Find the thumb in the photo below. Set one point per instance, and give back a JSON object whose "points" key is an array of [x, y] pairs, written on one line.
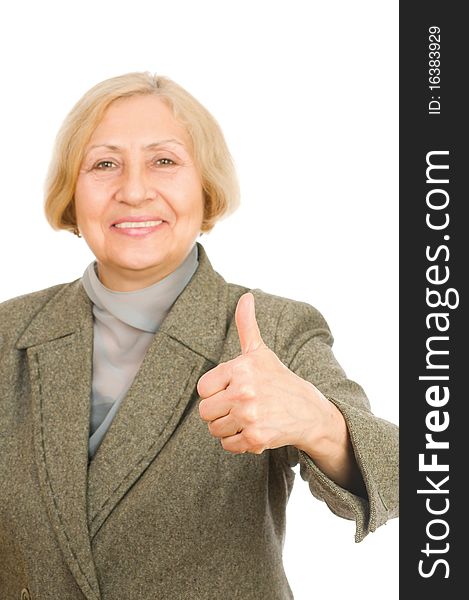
{"points": [[248, 329]]}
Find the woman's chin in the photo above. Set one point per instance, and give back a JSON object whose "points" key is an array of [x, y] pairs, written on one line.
{"points": [[137, 259], [140, 265], [132, 272]]}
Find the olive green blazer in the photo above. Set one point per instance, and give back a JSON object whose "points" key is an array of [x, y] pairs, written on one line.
{"points": [[161, 511]]}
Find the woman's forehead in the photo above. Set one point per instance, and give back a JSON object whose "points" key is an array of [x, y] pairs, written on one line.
{"points": [[144, 119]]}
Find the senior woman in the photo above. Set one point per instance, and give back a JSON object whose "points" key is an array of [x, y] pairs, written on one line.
{"points": [[151, 413]]}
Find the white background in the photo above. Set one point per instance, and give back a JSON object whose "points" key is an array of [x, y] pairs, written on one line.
{"points": [[307, 95]]}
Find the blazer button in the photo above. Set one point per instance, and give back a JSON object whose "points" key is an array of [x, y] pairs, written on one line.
{"points": [[25, 595]]}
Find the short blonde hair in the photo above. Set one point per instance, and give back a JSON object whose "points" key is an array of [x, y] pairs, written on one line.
{"points": [[210, 152]]}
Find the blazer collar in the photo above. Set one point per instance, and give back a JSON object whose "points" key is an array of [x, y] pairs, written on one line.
{"points": [[70, 310]]}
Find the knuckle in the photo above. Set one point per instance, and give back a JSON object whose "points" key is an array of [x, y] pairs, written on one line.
{"points": [[226, 445], [246, 391], [250, 413], [253, 437], [212, 428], [243, 367]]}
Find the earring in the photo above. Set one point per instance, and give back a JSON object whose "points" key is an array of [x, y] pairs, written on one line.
{"points": [[76, 231]]}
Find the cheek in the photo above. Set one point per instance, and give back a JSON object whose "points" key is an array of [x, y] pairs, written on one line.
{"points": [[81, 199], [196, 203], [89, 200], [198, 207], [195, 212], [187, 201]]}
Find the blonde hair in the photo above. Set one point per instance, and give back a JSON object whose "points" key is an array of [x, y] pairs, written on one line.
{"points": [[210, 152]]}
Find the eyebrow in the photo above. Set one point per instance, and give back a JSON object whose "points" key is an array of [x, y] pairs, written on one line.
{"points": [[147, 147]]}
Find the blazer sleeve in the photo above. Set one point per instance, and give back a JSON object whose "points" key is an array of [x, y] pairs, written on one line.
{"points": [[304, 343]]}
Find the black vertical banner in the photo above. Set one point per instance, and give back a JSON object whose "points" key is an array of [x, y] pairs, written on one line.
{"points": [[434, 267]]}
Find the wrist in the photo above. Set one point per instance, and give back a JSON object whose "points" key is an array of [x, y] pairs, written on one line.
{"points": [[327, 437]]}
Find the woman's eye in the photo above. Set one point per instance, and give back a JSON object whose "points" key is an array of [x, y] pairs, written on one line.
{"points": [[164, 161], [104, 164]]}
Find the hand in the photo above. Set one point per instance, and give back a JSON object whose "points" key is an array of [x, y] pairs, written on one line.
{"points": [[254, 401]]}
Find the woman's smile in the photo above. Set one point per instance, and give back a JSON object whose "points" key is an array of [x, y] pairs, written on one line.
{"points": [[138, 226]]}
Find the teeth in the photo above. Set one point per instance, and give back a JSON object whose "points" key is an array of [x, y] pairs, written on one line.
{"points": [[127, 224]]}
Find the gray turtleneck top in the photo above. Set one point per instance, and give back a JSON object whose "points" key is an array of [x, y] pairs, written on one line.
{"points": [[124, 324]]}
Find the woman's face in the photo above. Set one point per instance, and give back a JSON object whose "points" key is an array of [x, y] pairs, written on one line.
{"points": [[139, 200]]}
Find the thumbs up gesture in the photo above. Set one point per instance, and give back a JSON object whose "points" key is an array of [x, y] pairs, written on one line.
{"points": [[254, 401]]}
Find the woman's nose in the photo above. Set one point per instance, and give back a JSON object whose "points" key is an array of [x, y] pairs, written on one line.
{"points": [[135, 187]]}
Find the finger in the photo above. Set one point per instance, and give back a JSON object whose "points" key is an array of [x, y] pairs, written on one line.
{"points": [[248, 329], [224, 427], [215, 407], [237, 444], [215, 380]]}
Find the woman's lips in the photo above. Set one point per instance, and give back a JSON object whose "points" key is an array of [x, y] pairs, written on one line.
{"points": [[137, 228]]}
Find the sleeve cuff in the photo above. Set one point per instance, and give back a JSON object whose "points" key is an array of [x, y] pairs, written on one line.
{"points": [[369, 436]]}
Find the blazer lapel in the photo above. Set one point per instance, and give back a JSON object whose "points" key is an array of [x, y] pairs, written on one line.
{"points": [[59, 349], [188, 343]]}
